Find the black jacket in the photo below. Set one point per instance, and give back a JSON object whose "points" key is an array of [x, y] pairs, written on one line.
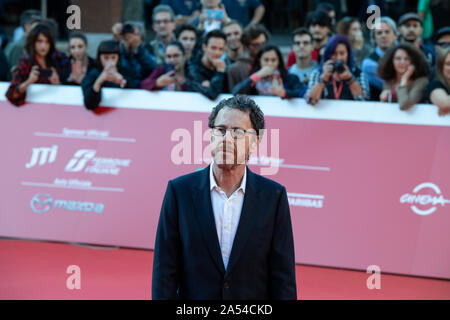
{"points": [[197, 73], [292, 85], [91, 98], [188, 262]]}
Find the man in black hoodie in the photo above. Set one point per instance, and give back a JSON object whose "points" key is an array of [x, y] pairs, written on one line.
{"points": [[207, 75]]}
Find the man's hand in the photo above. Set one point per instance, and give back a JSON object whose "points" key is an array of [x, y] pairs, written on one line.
{"points": [[117, 30], [219, 65]]}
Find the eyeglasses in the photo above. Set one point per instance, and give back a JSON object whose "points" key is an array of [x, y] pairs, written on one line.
{"points": [[162, 21], [444, 45], [236, 133], [256, 45]]}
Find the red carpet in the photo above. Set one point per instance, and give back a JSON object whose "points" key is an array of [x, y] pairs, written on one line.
{"points": [[37, 270]]}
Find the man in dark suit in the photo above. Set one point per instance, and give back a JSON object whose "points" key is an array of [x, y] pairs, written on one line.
{"points": [[225, 232]]}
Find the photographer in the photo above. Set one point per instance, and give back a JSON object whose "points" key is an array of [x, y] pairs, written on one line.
{"points": [[213, 16], [41, 64], [108, 73], [338, 77], [80, 63], [171, 75]]}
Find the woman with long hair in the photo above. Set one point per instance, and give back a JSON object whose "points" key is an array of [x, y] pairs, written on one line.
{"points": [[351, 28], [269, 77], [80, 63], [172, 75], [42, 63], [107, 73], [405, 72], [338, 77], [439, 89]]}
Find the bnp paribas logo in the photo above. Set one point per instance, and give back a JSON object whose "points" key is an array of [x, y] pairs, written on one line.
{"points": [[425, 199]]}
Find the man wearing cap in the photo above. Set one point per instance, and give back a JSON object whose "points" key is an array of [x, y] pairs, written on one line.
{"points": [[442, 38], [411, 30]]}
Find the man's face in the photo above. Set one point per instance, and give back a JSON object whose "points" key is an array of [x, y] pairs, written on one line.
{"points": [[384, 36], [411, 30], [132, 40], [227, 151], [302, 46], [443, 42], [163, 24], [319, 32], [332, 15], [234, 34], [214, 48], [187, 39], [256, 44], [210, 4]]}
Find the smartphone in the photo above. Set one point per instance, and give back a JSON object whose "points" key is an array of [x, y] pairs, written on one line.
{"points": [[170, 67], [45, 73], [214, 14]]}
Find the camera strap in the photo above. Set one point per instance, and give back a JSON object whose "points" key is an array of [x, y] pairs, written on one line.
{"points": [[337, 91]]}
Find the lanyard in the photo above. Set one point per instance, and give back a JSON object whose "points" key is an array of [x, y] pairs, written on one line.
{"points": [[337, 91]]}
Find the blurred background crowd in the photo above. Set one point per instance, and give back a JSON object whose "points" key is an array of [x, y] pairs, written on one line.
{"points": [[337, 49]]}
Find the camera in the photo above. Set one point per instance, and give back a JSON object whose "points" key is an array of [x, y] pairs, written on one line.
{"points": [[339, 66], [45, 73]]}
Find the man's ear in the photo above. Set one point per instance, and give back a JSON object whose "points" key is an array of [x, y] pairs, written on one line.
{"points": [[254, 144]]}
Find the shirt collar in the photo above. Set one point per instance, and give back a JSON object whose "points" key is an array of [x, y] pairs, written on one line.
{"points": [[379, 51], [213, 184]]}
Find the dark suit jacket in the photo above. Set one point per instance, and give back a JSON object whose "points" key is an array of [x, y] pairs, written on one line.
{"points": [[188, 262]]}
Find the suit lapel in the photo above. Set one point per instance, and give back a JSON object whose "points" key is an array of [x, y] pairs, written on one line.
{"points": [[249, 214], [202, 201]]}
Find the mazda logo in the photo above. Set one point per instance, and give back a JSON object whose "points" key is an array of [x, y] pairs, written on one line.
{"points": [[41, 203]]}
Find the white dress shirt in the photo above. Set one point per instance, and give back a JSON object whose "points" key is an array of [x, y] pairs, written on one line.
{"points": [[227, 212]]}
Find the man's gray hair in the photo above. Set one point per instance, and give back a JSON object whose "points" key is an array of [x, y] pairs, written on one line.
{"points": [[163, 8], [391, 23]]}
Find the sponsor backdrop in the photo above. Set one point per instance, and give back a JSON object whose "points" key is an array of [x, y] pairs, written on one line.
{"points": [[361, 192]]}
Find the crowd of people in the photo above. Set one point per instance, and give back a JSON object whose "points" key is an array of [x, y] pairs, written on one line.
{"points": [[214, 47]]}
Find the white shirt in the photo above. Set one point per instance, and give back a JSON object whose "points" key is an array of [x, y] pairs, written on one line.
{"points": [[227, 212]]}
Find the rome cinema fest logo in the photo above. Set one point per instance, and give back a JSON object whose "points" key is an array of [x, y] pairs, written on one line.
{"points": [[425, 199]]}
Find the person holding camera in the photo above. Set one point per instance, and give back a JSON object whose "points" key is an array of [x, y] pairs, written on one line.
{"points": [[213, 15], [42, 63], [80, 62], [338, 77], [269, 76], [107, 73], [170, 76]]}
